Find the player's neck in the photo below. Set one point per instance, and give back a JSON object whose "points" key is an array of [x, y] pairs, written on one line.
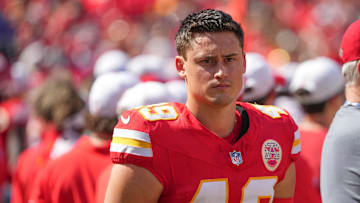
{"points": [[220, 121]]}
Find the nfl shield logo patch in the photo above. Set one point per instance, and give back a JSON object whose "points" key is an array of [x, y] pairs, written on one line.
{"points": [[236, 158]]}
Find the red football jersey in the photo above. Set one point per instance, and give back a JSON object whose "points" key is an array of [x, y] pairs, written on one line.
{"points": [[196, 165]]}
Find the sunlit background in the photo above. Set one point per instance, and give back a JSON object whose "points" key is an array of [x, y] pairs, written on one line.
{"points": [[71, 34]]}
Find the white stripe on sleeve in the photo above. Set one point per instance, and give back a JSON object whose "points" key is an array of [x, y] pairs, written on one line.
{"points": [[120, 148], [132, 134]]}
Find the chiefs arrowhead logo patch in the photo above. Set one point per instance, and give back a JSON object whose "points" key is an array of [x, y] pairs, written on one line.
{"points": [[271, 154]]}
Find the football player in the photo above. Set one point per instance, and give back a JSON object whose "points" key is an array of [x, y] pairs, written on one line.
{"points": [[211, 149]]}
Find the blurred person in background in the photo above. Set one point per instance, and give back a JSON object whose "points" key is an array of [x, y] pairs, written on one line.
{"points": [[148, 67], [203, 150], [284, 99], [259, 80], [84, 28], [340, 161], [113, 60], [266, 86], [177, 90], [142, 94], [58, 108], [76, 182], [13, 117], [319, 87]]}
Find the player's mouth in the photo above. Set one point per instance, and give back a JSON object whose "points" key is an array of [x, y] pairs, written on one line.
{"points": [[221, 86]]}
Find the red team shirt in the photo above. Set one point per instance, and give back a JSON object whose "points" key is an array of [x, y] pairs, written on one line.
{"points": [[30, 163], [312, 142], [304, 190], [73, 176], [102, 184], [195, 165]]}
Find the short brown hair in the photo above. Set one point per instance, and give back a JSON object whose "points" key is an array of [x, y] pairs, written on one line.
{"points": [[56, 100], [100, 125], [209, 20]]}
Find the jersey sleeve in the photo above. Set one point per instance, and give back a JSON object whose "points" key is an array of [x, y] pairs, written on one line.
{"points": [[131, 143], [296, 144]]}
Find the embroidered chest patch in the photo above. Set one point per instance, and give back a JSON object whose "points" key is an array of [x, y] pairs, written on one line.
{"points": [[271, 154], [236, 158]]}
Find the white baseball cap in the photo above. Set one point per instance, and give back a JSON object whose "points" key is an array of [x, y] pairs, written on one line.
{"points": [[110, 61], [177, 89], [144, 93], [147, 64], [106, 91], [321, 77], [259, 80]]}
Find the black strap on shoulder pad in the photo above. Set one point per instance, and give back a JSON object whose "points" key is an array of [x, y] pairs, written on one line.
{"points": [[244, 121]]}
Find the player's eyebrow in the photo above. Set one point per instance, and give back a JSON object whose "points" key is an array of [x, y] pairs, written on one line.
{"points": [[230, 55], [209, 56], [205, 56]]}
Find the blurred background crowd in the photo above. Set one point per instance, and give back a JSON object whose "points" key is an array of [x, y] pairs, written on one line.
{"points": [[76, 41]]}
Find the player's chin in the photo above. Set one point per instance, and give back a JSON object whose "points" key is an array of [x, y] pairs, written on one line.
{"points": [[220, 100]]}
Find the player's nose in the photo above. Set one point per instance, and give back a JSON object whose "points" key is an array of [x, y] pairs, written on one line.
{"points": [[221, 71]]}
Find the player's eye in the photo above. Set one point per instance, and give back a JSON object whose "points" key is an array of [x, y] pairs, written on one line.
{"points": [[229, 59], [208, 61], [204, 61]]}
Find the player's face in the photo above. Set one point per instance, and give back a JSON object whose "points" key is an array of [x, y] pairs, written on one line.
{"points": [[213, 68]]}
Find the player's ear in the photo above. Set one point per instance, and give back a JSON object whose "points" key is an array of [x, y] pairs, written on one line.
{"points": [[180, 66]]}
